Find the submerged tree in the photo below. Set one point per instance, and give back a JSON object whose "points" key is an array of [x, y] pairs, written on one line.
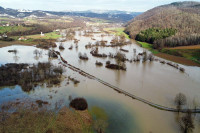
{"points": [[83, 56], [187, 123], [144, 56], [36, 52], [120, 57], [180, 100], [150, 57]]}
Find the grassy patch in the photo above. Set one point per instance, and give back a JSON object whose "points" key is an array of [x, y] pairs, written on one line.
{"points": [[96, 20], [191, 54], [117, 31], [98, 113], [61, 20], [148, 46], [100, 119], [7, 29], [51, 35], [3, 22], [4, 18]]}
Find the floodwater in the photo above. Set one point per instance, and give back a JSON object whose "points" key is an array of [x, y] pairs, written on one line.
{"points": [[153, 81]]}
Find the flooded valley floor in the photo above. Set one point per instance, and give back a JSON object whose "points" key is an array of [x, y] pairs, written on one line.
{"points": [[153, 81]]}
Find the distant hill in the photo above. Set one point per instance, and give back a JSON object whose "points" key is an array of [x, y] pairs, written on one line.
{"points": [[184, 17], [113, 15], [109, 12]]}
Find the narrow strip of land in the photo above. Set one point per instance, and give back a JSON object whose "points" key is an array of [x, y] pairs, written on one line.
{"points": [[187, 47], [66, 64], [177, 59]]}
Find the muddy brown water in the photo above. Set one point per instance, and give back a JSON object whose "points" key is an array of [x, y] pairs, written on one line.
{"points": [[158, 83]]}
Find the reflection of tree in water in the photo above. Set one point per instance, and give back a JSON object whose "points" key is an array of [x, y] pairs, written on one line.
{"points": [[76, 47], [36, 57], [16, 58], [38, 54], [118, 77]]}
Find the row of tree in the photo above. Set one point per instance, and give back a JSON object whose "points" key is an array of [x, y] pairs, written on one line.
{"points": [[177, 40], [186, 122]]}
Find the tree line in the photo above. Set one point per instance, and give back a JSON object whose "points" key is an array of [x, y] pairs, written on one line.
{"points": [[152, 34]]}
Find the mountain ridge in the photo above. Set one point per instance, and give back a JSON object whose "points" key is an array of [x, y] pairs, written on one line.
{"points": [[113, 15]]}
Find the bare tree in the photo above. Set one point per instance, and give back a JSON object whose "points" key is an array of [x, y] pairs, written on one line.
{"points": [[150, 57], [180, 100], [61, 47], [36, 52], [134, 51], [144, 56], [122, 39], [120, 57]]}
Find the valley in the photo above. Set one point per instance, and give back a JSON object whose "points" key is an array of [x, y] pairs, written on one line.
{"points": [[85, 72]]}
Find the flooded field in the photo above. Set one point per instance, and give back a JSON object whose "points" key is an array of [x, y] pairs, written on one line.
{"points": [[151, 80]]}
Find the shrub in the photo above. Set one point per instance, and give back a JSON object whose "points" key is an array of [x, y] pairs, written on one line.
{"points": [[79, 104], [99, 63], [180, 100]]}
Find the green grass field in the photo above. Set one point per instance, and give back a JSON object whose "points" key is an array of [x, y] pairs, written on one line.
{"points": [[51, 35], [3, 22], [117, 31], [148, 46], [5, 18], [7, 29], [191, 54]]}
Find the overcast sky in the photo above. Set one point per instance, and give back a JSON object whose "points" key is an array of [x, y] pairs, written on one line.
{"points": [[61, 5]]}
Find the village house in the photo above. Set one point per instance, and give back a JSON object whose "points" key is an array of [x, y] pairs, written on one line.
{"points": [[4, 35], [42, 34], [22, 38]]}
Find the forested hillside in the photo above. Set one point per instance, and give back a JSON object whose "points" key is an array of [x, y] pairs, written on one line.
{"points": [[182, 17]]}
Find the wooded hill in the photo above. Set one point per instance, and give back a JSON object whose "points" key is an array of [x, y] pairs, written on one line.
{"points": [[184, 17]]}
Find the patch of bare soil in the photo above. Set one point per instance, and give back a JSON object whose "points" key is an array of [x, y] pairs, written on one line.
{"points": [[187, 47]]}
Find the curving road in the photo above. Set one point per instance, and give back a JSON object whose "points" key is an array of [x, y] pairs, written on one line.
{"points": [[66, 64]]}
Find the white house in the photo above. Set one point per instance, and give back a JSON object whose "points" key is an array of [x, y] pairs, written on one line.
{"points": [[22, 38], [42, 34], [4, 35]]}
